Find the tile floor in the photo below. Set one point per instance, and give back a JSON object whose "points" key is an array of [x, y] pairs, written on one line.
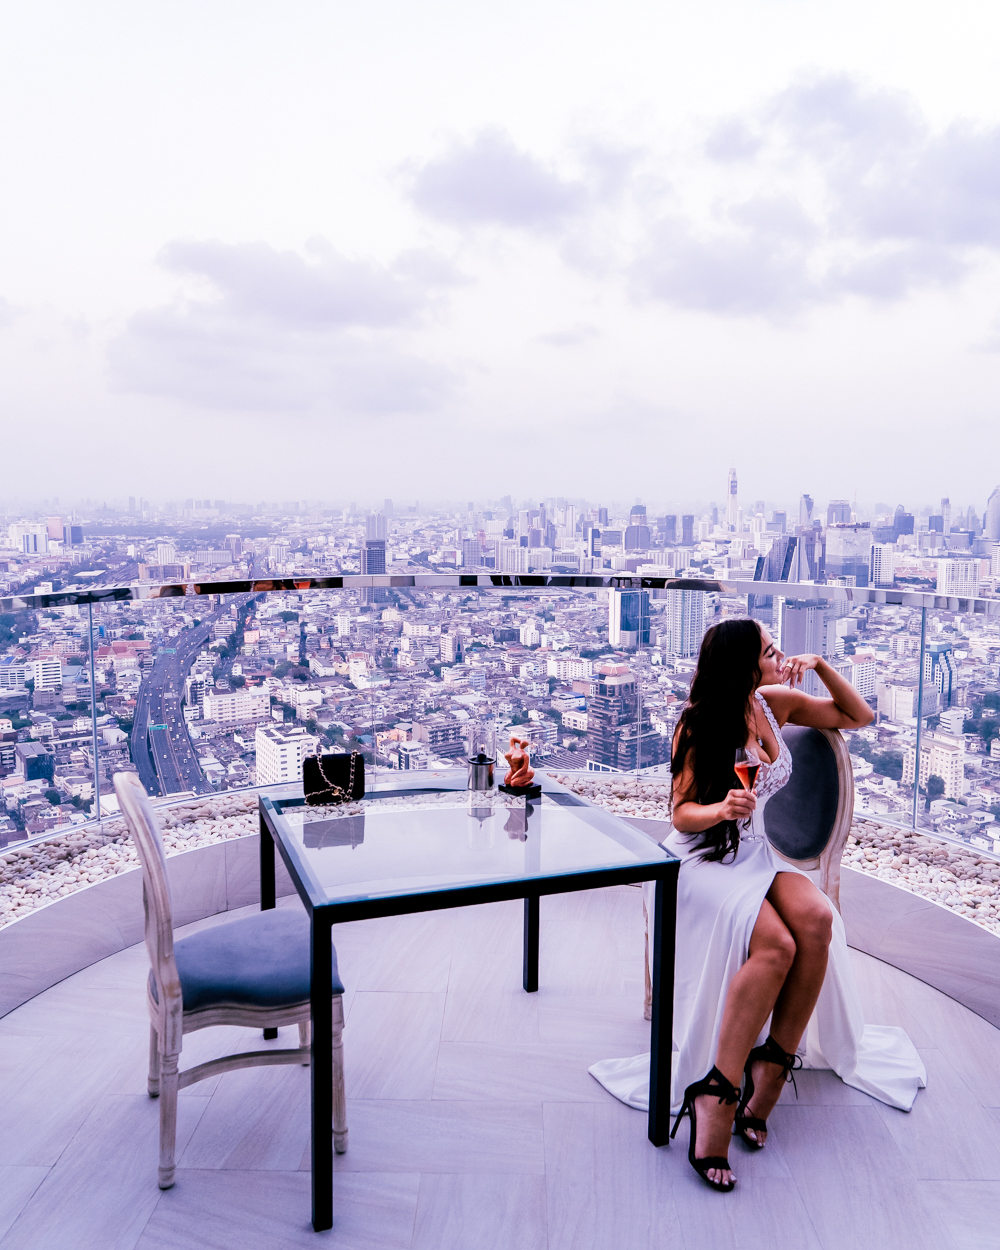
{"points": [[473, 1122]]}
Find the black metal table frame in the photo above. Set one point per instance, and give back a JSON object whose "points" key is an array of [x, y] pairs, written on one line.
{"points": [[324, 916]]}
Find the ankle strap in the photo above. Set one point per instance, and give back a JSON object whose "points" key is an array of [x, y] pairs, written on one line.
{"points": [[717, 1083]]}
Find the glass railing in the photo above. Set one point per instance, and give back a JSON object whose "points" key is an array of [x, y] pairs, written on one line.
{"points": [[214, 686]]}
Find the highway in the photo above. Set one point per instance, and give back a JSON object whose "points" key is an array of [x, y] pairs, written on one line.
{"points": [[161, 748]]}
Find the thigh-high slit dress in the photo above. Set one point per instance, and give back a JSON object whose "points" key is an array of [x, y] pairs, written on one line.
{"points": [[717, 908]]}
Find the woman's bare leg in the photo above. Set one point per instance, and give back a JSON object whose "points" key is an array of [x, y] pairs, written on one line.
{"points": [[806, 915], [749, 1001]]}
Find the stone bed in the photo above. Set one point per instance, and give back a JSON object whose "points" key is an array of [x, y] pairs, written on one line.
{"points": [[956, 876], [32, 876]]}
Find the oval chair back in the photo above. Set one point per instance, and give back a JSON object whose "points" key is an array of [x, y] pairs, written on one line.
{"points": [[159, 925], [808, 820]]}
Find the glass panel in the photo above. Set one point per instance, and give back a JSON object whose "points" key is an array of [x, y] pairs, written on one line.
{"points": [[428, 838], [46, 731]]}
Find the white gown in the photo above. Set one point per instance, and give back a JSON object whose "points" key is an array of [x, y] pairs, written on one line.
{"points": [[717, 907]]}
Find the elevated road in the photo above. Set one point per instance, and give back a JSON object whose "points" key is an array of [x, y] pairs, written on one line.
{"points": [[161, 748]]}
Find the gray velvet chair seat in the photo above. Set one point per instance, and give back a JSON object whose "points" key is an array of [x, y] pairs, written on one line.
{"points": [[259, 961]]}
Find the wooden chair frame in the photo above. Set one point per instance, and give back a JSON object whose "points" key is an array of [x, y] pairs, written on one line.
{"points": [[827, 863], [168, 1019]]}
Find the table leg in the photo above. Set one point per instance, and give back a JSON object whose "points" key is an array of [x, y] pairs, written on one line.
{"points": [[661, 1034], [322, 1073], [267, 884], [530, 960]]}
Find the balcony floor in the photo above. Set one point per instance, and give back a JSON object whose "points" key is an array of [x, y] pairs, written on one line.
{"points": [[473, 1120]]}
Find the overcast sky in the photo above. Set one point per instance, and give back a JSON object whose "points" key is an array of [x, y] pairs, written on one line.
{"points": [[437, 249]]}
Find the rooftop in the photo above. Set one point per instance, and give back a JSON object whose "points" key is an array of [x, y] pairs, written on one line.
{"points": [[473, 1120]]}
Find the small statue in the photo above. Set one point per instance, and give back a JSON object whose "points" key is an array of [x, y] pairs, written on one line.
{"points": [[520, 774]]}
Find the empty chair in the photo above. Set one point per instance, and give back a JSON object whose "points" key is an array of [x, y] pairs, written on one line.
{"points": [[808, 820], [251, 972]]}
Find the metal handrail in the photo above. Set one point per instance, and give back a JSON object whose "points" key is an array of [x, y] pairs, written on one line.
{"points": [[855, 595]]}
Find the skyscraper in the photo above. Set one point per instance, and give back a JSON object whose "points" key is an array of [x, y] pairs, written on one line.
{"points": [[991, 519], [670, 529], [375, 526], [732, 502], [685, 619], [946, 516], [882, 568], [616, 737], [848, 552], [805, 510], [628, 618], [472, 553], [373, 556], [838, 512], [687, 530]]}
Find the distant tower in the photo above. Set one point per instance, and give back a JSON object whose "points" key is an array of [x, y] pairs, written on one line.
{"points": [[946, 515], [991, 519], [732, 503], [805, 511]]}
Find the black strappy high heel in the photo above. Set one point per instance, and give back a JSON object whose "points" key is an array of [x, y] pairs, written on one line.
{"points": [[714, 1084], [770, 1052]]}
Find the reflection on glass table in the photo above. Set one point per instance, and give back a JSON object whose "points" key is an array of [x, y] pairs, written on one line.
{"points": [[421, 844]]}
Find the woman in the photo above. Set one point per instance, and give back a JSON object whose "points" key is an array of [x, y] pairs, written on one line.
{"points": [[756, 940]]}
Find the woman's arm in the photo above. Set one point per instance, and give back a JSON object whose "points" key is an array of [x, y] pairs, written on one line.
{"points": [[692, 817], [844, 710]]}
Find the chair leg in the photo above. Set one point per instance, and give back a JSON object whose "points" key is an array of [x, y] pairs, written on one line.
{"points": [[305, 1036], [339, 1094], [168, 1119], [647, 1002], [153, 1082]]}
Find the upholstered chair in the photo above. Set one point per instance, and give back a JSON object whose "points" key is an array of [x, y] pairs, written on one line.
{"points": [[808, 820], [253, 972]]}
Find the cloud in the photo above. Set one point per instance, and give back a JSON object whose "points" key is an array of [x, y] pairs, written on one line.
{"points": [[489, 181], [571, 337], [274, 330], [851, 193]]}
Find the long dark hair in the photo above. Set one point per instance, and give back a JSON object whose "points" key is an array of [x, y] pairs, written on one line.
{"points": [[716, 721]]}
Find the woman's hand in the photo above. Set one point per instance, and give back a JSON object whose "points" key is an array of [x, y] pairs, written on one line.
{"points": [[737, 805], [795, 668]]}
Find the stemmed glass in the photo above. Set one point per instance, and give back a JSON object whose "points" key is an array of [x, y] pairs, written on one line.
{"points": [[746, 767]]}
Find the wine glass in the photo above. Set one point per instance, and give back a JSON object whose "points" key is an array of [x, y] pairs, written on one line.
{"points": [[746, 768]]}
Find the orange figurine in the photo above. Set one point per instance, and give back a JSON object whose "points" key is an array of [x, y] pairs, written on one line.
{"points": [[520, 773]]}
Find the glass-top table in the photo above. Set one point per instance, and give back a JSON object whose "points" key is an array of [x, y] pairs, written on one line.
{"points": [[424, 842]]}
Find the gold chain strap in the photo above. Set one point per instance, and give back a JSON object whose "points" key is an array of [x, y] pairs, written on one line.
{"points": [[338, 792]]}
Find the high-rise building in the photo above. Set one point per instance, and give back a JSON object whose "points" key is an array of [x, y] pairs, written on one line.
{"points": [[902, 522], [732, 502], [615, 737], [805, 510], [806, 627], [234, 545], [670, 529], [166, 553], [946, 516], [838, 512], [939, 757], [687, 531], [280, 750], [387, 507], [45, 673], [472, 553], [848, 552], [685, 621], [602, 517], [72, 535], [958, 578], [373, 556], [991, 518], [882, 567], [637, 538], [628, 618], [54, 528], [592, 541], [940, 668], [638, 514], [512, 557], [375, 526]]}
